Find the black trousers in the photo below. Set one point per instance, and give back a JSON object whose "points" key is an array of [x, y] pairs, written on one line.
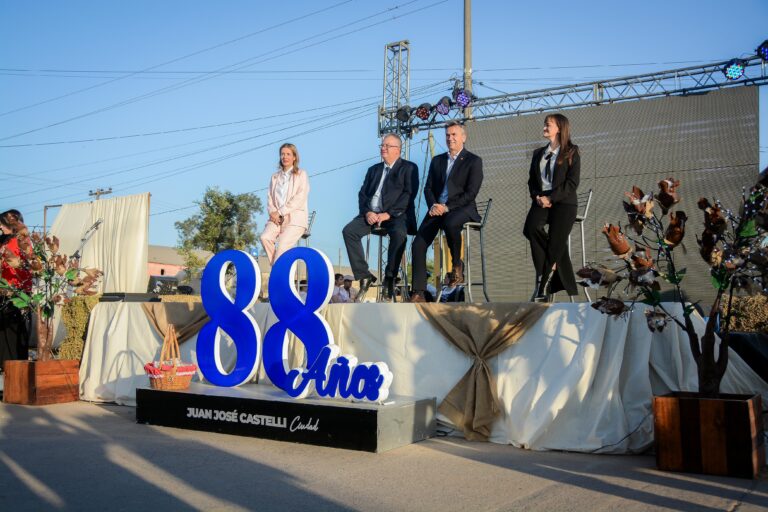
{"points": [[549, 247], [451, 224], [14, 334], [358, 228]]}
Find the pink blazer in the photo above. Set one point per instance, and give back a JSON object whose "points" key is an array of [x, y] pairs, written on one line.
{"points": [[295, 209]]}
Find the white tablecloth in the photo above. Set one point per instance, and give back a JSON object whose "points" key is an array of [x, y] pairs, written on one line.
{"points": [[577, 380]]}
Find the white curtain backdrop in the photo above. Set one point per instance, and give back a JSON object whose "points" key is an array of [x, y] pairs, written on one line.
{"points": [[119, 246]]}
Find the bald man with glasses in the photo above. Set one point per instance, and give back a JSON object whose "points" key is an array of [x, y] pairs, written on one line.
{"points": [[386, 199]]}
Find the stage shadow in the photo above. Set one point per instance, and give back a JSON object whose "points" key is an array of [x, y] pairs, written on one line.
{"points": [[603, 474], [112, 463]]}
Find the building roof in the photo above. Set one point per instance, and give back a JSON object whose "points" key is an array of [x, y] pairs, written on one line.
{"points": [[170, 256]]}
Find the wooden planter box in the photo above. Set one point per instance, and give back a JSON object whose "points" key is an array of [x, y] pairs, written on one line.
{"points": [[41, 382], [714, 436]]}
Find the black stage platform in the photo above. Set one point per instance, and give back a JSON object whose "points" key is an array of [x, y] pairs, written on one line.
{"points": [[261, 410]]}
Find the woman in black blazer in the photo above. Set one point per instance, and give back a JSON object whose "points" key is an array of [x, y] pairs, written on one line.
{"points": [[552, 183]]}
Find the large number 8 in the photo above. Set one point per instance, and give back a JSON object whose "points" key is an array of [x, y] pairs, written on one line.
{"points": [[300, 317], [231, 316]]}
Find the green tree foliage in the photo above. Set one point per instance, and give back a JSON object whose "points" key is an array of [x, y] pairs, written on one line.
{"points": [[225, 221]]}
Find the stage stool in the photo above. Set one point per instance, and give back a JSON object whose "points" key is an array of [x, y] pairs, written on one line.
{"points": [[483, 208], [308, 231], [584, 200], [305, 238], [381, 233]]}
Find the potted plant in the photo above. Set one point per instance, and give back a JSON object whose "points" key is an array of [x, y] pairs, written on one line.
{"points": [[55, 279], [706, 431]]}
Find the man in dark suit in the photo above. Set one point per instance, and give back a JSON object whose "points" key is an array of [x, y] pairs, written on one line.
{"points": [[384, 199], [452, 185]]}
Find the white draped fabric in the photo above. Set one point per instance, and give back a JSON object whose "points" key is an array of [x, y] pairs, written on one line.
{"points": [[118, 247], [577, 380]]}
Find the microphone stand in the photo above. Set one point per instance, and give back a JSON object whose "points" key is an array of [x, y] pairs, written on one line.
{"points": [[87, 236]]}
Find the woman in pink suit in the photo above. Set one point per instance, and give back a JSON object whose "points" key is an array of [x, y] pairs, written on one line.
{"points": [[286, 205]]}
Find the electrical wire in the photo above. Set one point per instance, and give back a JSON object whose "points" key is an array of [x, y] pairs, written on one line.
{"points": [[193, 128], [196, 166], [327, 171], [172, 61], [423, 91], [244, 63]]}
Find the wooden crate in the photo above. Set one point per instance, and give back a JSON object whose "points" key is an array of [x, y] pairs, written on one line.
{"points": [[41, 382], [714, 436]]}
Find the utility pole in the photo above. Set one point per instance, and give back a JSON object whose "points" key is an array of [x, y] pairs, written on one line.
{"points": [[468, 53], [99, 192]]}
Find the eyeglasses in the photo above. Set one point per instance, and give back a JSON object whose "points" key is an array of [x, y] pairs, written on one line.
{"points": [[388, 146]]}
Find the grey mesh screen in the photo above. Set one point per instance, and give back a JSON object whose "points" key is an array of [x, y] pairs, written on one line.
{"points": [[708, 141]]}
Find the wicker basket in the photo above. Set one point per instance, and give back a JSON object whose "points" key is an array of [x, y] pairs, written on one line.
{"points": [[170, 374]]}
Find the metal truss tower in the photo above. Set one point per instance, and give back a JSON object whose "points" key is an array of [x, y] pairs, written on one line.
{"points": [[676, 82], [397, 90]]}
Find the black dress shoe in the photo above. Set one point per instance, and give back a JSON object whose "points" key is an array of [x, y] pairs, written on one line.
{"points": [[389, 289], [457, 274], [365, 283]]}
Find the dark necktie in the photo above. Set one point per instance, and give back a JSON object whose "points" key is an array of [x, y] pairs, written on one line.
{"points": [[547, 167]]}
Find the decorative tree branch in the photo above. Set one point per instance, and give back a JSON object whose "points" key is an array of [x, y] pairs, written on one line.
{"points": [[735, 246]]}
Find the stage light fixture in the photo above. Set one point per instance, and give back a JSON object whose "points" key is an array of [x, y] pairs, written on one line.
{"points": [[734, 69], [423, 110], [403, 114], [461, 97], [762, 50], [443, 106]]}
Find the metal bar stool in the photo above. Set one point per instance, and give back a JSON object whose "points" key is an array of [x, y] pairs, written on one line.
{"points": [[305, 237], [584, 200], [483, 208], [308, 231], [381, 233]]}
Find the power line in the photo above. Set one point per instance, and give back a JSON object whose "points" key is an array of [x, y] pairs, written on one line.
{"points": [[424, 91], [187, 72], [179, 130], [328, 171], [203, 127], [192, 167], [244, 63], [172, 61], [192, 153], [266, 71]]}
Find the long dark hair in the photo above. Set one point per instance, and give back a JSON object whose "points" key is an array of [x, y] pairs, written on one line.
{"points": [[10, 219], [567, 149]]}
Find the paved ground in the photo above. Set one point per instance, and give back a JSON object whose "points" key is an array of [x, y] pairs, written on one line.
{"points": [[83, 456]]}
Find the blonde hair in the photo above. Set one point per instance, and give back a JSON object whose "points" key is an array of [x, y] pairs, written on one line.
{"points": [[295, 152]]}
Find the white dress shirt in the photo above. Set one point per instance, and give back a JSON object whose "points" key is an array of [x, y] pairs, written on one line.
{"points": [[281, 189], [546, 183], [376, 199]]}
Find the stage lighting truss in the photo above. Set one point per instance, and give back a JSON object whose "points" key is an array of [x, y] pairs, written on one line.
{"points": [[423, 111], [762, 50], [734, 69], [751, 71]]}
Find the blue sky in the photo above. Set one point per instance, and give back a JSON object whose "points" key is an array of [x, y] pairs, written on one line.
{"points": [[312, 78]]}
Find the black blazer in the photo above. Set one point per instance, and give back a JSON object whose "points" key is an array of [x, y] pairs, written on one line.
{"points": [[565, 179], [463, 183], [397, 192]]}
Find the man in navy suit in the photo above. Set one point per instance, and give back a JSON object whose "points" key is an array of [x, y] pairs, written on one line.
{"points": [[385, 200], [452, 185]]}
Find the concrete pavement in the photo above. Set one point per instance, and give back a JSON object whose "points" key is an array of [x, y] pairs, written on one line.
{"points": [[83, 456]]}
